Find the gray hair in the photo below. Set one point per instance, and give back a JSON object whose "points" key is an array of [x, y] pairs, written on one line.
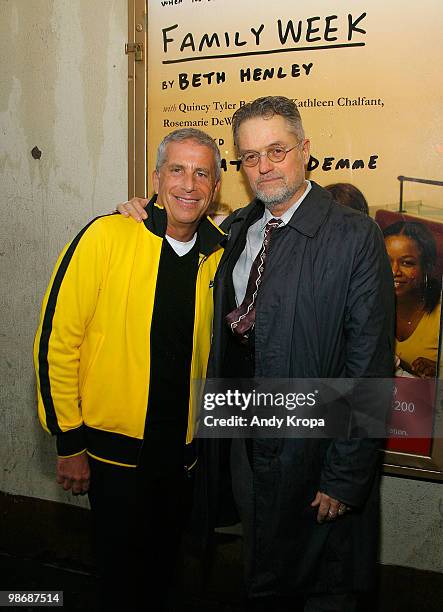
{"points": [[189, 134], [266, 108]]}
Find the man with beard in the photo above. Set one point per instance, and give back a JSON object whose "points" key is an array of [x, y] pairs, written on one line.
{"points": [[303, 290]]}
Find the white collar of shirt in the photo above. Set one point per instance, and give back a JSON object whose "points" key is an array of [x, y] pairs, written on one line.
{"points": [[181, 248], [288, 214]]}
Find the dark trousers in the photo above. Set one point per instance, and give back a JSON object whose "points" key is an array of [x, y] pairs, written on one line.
{"points": [[138, 521], [244, 497]]}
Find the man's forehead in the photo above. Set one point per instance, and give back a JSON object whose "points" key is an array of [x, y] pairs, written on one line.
{"points": [[188, 147], [263, 131]]}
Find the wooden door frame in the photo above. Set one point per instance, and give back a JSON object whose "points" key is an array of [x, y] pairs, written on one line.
{"points": [[137, 100]]}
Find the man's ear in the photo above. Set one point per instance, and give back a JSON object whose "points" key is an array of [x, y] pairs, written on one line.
{"points": [[155, 180], [306, 149], [217, 187]]}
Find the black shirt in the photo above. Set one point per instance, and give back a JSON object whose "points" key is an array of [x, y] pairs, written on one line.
{"points": [[172, 331]]}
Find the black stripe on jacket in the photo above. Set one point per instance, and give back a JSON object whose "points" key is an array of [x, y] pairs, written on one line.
{"points": [[43, 365]]}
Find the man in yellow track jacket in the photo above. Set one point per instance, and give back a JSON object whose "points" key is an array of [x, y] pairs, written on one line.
{"points": [[126, 323]]}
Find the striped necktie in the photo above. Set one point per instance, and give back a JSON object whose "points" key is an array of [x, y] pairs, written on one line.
{"points": [[242, 319]]}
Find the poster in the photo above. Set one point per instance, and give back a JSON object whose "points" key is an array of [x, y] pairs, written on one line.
{"points": [[415, 251], [365, 76]]}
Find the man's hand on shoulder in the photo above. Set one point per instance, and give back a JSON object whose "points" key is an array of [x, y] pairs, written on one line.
{"points": [[134, 208], [328, 507], [74, 473]]}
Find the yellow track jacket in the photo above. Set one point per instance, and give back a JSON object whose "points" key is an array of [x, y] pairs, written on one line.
{"points": [[92, 348]]}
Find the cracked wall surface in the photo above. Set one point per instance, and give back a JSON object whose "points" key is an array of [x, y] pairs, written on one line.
{"points": [[63, 160]]}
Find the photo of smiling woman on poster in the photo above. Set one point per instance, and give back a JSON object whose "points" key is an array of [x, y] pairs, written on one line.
{"points": [[412, 253]]}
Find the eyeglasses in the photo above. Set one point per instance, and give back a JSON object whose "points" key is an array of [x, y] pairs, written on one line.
{"points": [[274, 154]]}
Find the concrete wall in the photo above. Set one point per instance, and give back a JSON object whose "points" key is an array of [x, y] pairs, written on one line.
{"points": [[412, 523], [63, 89]]}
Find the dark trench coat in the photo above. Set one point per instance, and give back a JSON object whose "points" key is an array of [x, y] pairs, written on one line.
{"points": [[325, 310]]}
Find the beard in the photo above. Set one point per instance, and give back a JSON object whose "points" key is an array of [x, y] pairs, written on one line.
{"points": [[279, 195]]}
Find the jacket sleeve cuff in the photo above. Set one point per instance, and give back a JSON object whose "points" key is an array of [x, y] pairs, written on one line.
{"points": [[71, 442], [350, 469]]}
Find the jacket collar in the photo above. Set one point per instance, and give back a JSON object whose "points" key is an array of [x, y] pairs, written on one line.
{"points": [[308, 217], [209, 234], [311, 213]]}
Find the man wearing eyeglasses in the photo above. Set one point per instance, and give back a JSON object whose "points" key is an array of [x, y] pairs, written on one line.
{"points": [[323, 309], [303, 290]]}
